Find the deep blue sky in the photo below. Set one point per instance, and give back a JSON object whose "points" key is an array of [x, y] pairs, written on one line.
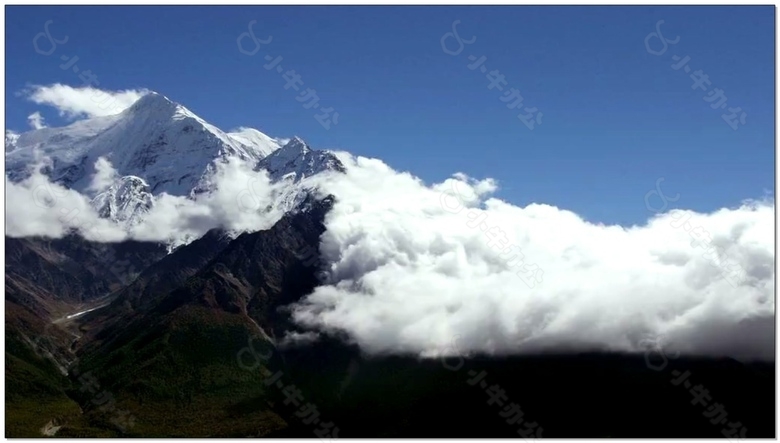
{"points": [[616, 118]]}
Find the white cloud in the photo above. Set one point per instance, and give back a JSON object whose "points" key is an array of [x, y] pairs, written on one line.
{"points": [[38, 207], [407, 274], [82, 102], [11, 139], [36, 120], [104, 176], [243, 200]]}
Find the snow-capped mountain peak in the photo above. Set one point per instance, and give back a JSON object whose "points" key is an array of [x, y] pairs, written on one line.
{"points": [[297, 143], [251, 138], [11, 138], [296, 160], [292, 164], [152, 102], [157, 139], [159, 146], [125, 201]]}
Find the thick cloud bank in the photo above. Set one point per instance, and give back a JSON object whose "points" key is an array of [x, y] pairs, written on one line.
{"points": [[242, 200], [445, 269], [424, 269]]}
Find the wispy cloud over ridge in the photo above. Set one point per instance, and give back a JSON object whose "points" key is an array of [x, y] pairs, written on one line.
{"points": [[81, 102]]}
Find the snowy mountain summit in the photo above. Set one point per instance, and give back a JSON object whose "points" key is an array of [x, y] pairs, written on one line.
{"points": [[125, 201], [156, 146], [296, 161]]}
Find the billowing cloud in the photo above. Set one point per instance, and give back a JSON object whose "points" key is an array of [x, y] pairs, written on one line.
{"points": [[36, 120], [105, 175], [82, 102], [38, 207], [445, 269], [11, 139], [242, 200]]}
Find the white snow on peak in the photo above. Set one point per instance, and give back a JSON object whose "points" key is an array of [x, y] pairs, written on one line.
{"points": [[296, 161], [125, 201], [162, 141], [292, 165], [252, 139], [11, 138], [159, 146]]}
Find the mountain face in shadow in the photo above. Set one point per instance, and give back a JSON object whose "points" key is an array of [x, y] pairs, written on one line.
{"points": [[47, 279], [565, 395], [168, 344], [72, 269]]}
